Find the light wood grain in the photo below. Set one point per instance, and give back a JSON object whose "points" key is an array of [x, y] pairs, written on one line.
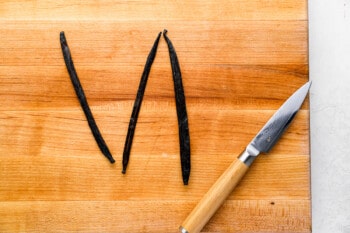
{"points": [[214, 131], [53, 149], [154, 10], [151, 216], [239, 60], [200, 42], [109, 88], [282, 177]]}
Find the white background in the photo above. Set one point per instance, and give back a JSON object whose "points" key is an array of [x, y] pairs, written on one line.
{"points": [[329, 47]]}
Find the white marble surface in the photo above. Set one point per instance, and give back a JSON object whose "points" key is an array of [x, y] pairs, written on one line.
{"points": [[329, 44]]}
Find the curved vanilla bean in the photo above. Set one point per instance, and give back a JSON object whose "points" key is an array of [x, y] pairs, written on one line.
{"points": [[137, 103], [82, 99], [184, 136]]}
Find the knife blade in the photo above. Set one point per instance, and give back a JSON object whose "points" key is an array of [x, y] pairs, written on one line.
{"points": [[262, 142]]}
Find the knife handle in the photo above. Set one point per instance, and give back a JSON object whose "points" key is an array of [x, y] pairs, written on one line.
{"points": [[214, 198]]}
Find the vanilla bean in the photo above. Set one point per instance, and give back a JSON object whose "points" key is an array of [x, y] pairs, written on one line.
{"points": [[137, 103], [82, 99], [184, 137]]}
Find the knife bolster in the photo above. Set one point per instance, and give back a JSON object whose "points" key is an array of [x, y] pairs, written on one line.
{"points": [[248, 155], [183, 230]]}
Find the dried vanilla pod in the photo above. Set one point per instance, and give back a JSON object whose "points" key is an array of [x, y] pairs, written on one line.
{"points": [[184, 136], [82, 99], [137, 103]]}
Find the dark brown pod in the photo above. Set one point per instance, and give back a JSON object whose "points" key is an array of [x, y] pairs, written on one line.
{"points": [[137, 103], [82, 99], [184, 135]]}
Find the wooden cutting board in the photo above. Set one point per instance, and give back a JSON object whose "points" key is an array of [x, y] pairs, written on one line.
{"points": [[240, 61]]}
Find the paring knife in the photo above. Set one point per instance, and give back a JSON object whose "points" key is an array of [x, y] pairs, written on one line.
{"points": [[262, 142]]}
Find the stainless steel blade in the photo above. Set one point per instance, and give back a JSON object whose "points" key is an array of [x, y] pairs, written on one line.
{"points": [[274, 128]]}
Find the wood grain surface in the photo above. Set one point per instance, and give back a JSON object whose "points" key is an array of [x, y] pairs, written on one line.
{"points": [[240, 60]]}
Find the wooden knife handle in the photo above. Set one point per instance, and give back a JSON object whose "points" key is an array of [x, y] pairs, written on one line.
{"points": [[214, 198]]}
